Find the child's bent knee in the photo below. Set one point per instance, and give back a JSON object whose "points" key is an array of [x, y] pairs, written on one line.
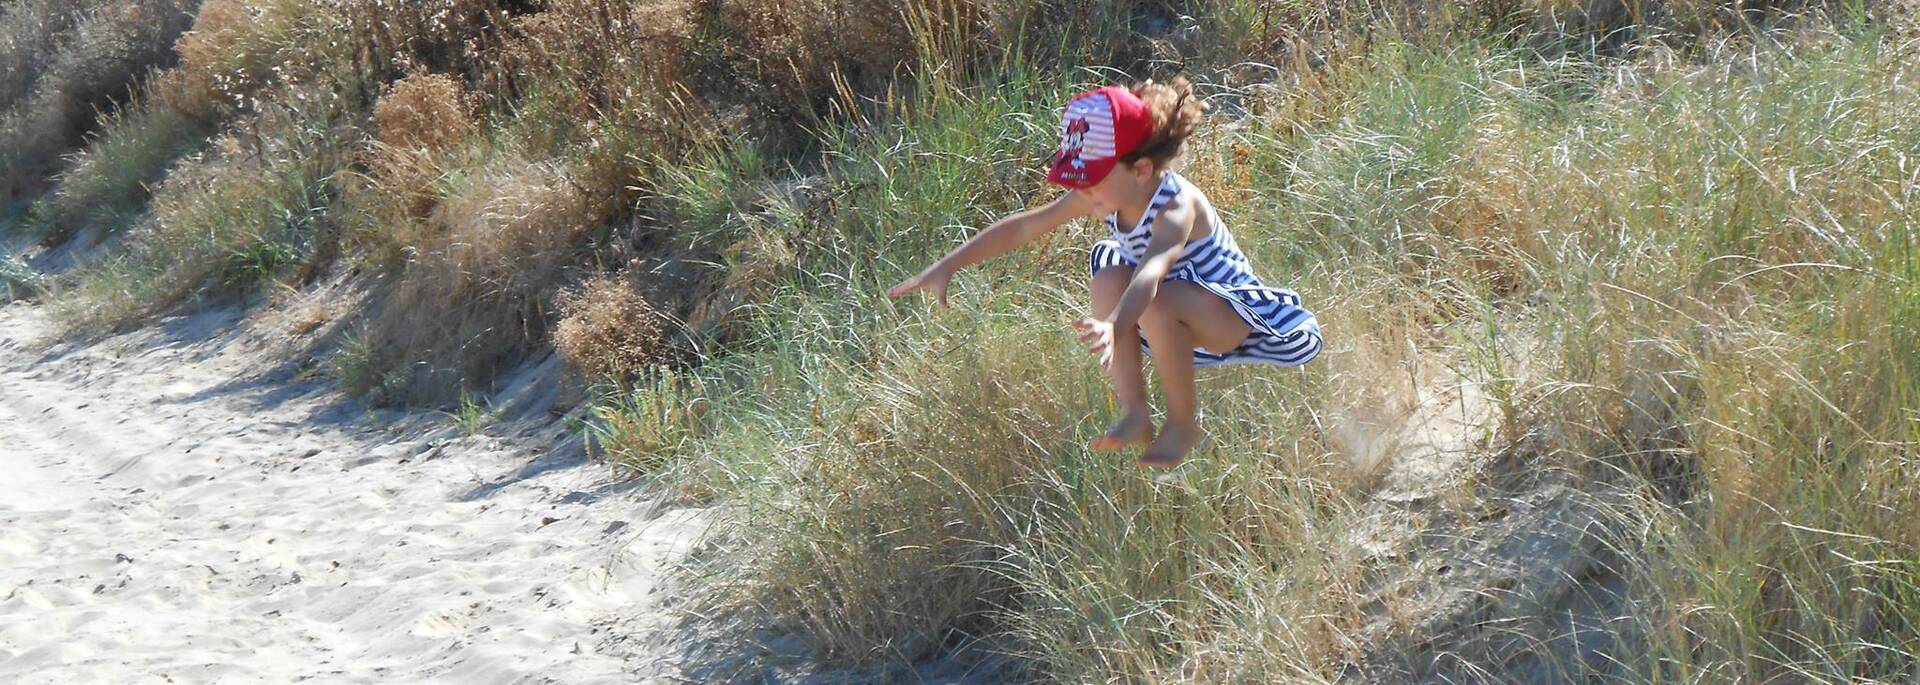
{"points": [[1158, 319], [1119, 272], [1111, 282]]}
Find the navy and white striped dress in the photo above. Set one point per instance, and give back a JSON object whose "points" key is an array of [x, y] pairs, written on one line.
{"points": [[1284, 333]]}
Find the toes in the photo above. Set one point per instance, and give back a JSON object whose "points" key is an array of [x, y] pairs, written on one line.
{"points": [[1116, 439], [1158, 461], [1168, 451]]}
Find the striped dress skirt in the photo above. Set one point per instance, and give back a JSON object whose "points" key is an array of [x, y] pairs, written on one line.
{"points": [[1282, 331]]}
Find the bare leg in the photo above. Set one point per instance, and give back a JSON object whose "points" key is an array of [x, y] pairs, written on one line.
{"points": [[1135, 424], [1172, 345], [1181, 317]]}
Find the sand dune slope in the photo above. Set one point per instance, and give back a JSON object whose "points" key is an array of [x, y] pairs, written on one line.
{"points": [[170, 512]]}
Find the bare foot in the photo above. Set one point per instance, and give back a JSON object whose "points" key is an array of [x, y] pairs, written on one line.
{"points": [[1133, 428], [1175, 441]]}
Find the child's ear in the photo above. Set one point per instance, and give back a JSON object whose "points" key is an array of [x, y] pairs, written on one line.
{"points": [[1143, 168]]}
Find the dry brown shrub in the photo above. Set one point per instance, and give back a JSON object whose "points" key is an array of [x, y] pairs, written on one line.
{"points": [[490, 258], [227, 55], [797, 57], [423, 112], [213, 28], [606, 82], [609, 329], [418, 122], [591, 60]]}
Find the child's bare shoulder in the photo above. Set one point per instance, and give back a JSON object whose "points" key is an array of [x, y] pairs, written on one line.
{"points": [[1192, 207], [1194, 195]]}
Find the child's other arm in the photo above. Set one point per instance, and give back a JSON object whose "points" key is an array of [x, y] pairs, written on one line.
{"points": [[1170, 232], [1005, 235]]}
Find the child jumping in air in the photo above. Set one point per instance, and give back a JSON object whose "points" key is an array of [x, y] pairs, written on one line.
{"points": [[1172, 283]]}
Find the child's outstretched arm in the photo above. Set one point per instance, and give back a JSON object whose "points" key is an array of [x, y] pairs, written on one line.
{"points": [[1170, 232], [1005, 235]]}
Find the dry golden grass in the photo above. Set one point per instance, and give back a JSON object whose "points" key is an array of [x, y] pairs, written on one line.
{"points": [[482, 276], [1488, 209], [252, 211], [109, 182], [607, 86], [756, 266], [239, 48]]}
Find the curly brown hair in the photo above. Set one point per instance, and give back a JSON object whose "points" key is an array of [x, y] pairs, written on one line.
{"points": [[1176, 113]]}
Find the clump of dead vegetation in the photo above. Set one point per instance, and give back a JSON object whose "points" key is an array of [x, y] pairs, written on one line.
{"points": [[609, 329]]}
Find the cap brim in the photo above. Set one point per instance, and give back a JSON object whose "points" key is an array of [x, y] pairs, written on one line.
{"points": [[1065, 173]]}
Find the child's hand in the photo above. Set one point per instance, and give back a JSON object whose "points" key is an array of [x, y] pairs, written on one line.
{"points": [[1098, 335], [934, 278]]}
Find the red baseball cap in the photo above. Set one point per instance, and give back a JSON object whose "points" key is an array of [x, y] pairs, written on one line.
{"points": [[1098, 128]]}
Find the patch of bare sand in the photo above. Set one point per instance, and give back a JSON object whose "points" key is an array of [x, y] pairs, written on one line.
{"points": [[1485, 560], [181, 507]]}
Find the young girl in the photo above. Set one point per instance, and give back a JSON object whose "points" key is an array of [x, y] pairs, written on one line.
{"points": [[1169, 282]]}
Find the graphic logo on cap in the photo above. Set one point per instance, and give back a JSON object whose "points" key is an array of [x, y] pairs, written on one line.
{"points": [[1086, 142], [1076, 139]]}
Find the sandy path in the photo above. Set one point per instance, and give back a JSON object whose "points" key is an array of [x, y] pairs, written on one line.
{"points": [[165, 519]]}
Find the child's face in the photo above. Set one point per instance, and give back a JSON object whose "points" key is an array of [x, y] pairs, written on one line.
{"points": [[1125, 185]]}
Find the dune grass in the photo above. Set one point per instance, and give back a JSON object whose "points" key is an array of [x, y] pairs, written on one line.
{"points": [[65, 64], [1689, 277], [1674, 249], [250, 211]]}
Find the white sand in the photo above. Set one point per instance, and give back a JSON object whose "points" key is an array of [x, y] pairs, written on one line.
{"points": [[170, 511]]}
